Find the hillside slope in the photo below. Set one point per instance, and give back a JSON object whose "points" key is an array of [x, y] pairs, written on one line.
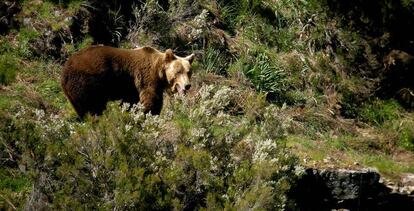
{"points": [[277, 86]]}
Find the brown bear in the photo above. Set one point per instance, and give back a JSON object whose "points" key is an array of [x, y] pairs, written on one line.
{"points": [[98, 74]]}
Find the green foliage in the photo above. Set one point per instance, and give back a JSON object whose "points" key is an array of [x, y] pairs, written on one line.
{"points": [[406, 136], [48, 14], [349, 105], [11, 183], [267, 77], [378, 111], [151, 18], [229, 15], [25, 37], [194, 153], [9, 65], [264, 22], [221, 147], [73, 48], [213, 61], [385, 164], [234, 11], [259, 31]]}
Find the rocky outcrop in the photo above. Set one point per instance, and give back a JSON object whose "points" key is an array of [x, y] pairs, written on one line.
{"points": [[404, 186], [347, 189]]}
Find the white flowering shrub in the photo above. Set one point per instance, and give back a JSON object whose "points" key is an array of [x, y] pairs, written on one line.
{"points": [[196, 154]]}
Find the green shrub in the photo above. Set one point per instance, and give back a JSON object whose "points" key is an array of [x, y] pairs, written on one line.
{"points": [[233, 11], [406, 136], [258, 30], [14, 188], [349, 104], [25, 37], [195, 155], [267, 77], [213, 61], [378, 111], [9, 66]]}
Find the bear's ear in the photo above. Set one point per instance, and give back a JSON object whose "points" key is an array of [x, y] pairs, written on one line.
{"points": [[190, 58], [169, 55]]}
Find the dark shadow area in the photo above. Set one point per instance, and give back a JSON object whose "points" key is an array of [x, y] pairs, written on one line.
{"points": [[109, 20], [8, 12], [340, 189], [398, 78], [384, 25], [376, 17]]}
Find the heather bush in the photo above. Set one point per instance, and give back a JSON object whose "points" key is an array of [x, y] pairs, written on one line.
{"points": [[197, 154], [223, 145]]}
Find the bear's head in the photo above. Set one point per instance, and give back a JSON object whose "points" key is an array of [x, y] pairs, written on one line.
{"points": [[178, 72]]}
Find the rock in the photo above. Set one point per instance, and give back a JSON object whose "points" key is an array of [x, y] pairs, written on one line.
{"points": [[26, 21], [329, 189], [50, 43], [405, 186], [408, 179]]}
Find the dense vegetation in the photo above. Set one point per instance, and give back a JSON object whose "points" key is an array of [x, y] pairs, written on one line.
{"points": [[278, 85]]}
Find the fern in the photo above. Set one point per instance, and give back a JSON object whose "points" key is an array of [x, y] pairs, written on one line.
{"points": [[267, 77]]}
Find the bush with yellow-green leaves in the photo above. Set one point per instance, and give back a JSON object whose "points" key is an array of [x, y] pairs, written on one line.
{"points": [[199, 153]]}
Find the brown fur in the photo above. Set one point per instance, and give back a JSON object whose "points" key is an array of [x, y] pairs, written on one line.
{"points": [[99, 74], [397, 56]]}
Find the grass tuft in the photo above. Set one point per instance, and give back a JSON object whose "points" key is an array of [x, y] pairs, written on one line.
{"points": [[378, 111]]}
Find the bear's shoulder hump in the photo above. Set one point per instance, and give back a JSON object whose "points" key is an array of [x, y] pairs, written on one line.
{"points": [[148, 49]]}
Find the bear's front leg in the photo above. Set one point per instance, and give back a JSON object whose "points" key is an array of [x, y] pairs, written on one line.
{"points": [[152, 100]]}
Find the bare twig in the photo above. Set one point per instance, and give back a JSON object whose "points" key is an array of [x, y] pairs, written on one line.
{"points": [[8, 202]]}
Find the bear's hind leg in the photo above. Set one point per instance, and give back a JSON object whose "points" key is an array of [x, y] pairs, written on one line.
{"points": [[131, 99], [79, 110], [95, 108]]}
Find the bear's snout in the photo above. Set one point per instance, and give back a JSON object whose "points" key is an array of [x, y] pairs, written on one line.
{"points": [[187, 86], [182, 84]]}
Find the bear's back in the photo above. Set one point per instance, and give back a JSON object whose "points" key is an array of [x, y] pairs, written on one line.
{"points": [[91, 60]]}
